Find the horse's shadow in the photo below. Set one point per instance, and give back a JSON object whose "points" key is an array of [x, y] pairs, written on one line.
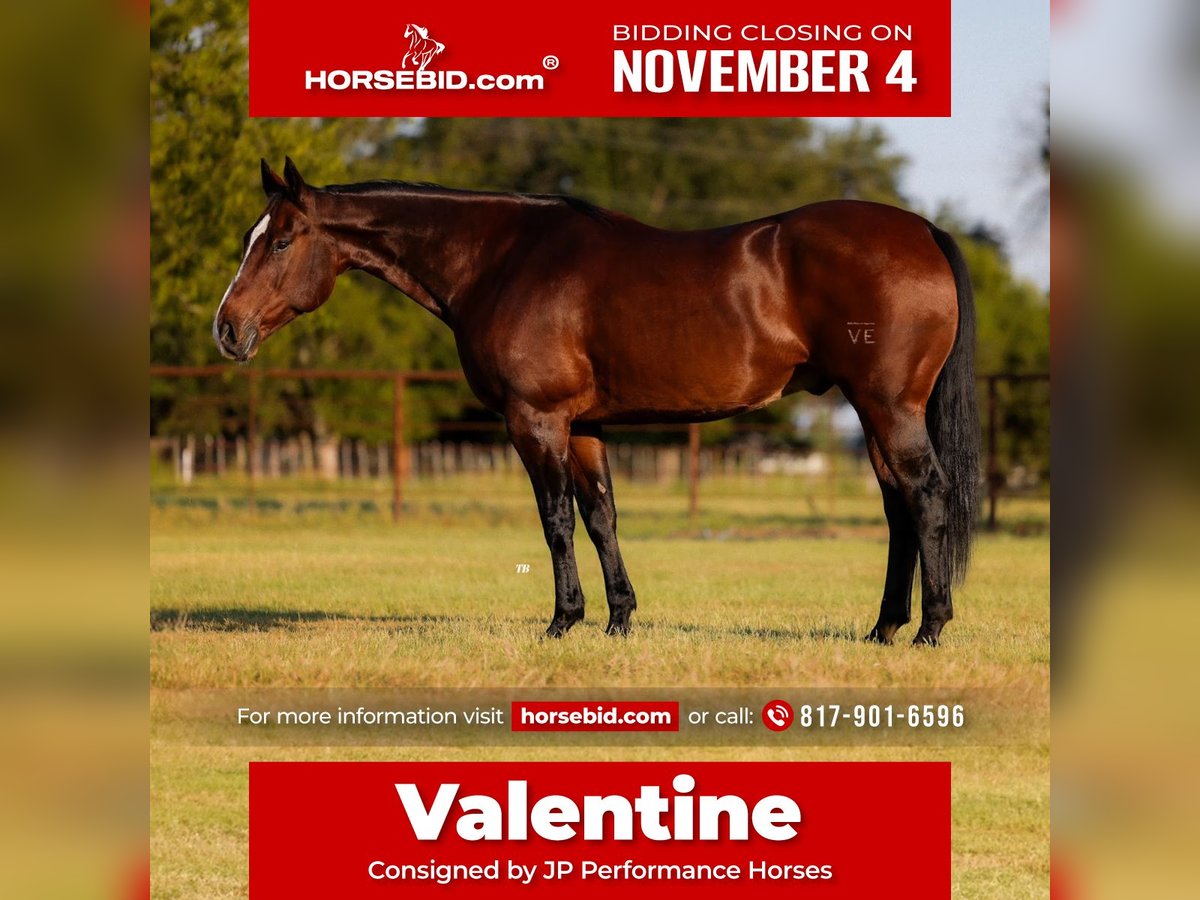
{"points": [[250, 619], [824, 632]]}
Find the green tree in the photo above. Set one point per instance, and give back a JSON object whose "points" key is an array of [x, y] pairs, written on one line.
{"points": [[205, 152]]}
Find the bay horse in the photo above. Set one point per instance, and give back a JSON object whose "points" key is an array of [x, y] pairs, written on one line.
{"points": [[569, 317]]}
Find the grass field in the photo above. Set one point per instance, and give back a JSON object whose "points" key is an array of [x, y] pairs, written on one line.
{"points": [[766, 589]]}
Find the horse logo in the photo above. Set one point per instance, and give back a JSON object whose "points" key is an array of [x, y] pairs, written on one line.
{"points": [[421, 47]]}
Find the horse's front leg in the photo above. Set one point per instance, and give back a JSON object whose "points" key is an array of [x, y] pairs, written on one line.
{"points": [[541, 440]]}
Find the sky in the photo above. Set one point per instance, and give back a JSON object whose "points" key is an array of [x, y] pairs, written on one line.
{"points": [[1141, 110], [978, 159]]}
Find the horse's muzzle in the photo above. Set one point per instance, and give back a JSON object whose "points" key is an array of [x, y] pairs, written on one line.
{"points": [[234, 345]]}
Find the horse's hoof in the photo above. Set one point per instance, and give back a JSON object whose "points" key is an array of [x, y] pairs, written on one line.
{"points": [[924, 639], [618, 629], [560, 627], [882, 634]]}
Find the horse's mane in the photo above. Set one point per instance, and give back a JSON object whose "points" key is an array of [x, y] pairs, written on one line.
{"points": [[388, 186]]}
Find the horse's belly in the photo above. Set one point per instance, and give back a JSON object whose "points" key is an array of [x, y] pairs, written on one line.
{"points": [[684, 383]]}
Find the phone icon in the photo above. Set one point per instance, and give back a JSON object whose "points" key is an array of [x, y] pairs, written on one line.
{"points": [[778, 715]]}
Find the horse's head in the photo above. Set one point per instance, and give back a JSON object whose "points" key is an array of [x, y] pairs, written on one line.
{"points": [[410, 30], [288, 268]]}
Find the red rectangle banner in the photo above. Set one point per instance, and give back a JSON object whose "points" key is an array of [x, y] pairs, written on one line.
{"points": [[519, 829], [584, 715], [623, 58]]}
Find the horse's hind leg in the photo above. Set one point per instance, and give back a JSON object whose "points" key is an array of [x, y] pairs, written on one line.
{"points": [[594, 494], [906, 448], [895, 610], [541, 441]]}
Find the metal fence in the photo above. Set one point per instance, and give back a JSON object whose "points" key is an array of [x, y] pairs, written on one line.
{"points": [[1008, 400]]}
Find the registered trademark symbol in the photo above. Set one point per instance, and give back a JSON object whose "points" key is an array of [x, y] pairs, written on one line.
{"points": [[550, 62]]}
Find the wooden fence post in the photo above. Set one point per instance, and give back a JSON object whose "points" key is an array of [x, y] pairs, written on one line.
{"points": [[398, 450], [693, 471], [252, 433]]}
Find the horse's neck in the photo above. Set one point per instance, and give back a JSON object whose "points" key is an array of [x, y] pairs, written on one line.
{"points": [[430, 246]]}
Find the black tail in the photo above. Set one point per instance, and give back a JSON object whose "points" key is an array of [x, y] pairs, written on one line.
{"points": [[952, 417]]}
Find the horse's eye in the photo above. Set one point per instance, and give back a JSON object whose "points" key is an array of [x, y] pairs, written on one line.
{"points": [[281, 245]]}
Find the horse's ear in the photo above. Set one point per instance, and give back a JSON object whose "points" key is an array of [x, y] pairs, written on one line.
{"points": [[272, 183], [293, 178]]}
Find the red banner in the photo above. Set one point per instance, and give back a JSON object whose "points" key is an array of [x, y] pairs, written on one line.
{"points": [[516, 829], [621, 58]]}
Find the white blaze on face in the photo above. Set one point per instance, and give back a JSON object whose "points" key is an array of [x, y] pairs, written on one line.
{"points": [[259, 230]]}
